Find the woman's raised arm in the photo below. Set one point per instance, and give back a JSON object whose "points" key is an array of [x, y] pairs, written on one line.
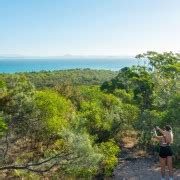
{"points": [[160, 130]]}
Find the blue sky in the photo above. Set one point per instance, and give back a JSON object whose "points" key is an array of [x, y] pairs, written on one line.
{"points": [[88, 27]]}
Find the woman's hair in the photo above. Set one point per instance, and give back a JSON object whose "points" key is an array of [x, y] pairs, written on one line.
{"points": [[168, 128]]}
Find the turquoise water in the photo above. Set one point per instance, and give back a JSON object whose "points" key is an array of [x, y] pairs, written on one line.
{"points": [[29, 65]]}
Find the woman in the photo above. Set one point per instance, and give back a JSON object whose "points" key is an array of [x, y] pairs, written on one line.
{"points": [[165, 153]]}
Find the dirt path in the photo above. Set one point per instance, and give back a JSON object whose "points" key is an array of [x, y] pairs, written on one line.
{"points": [[133, 167]]}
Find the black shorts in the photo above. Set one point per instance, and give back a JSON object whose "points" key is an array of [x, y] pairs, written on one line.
{"points": [[165, 151]]}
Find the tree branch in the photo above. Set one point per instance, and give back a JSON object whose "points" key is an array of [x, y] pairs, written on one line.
{"points": [[27, 166]]}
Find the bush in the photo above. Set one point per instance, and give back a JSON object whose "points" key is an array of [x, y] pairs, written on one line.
{"points": [[109, 150]]}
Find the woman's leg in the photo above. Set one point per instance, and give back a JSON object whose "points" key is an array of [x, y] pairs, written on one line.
{"points": [[170, 166], [163, 166]]}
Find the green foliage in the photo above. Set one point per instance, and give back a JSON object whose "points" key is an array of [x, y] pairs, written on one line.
{"points": [[17, 104], [54, 111], [172, 117], [83, 158], [148, 120], [3, 126], [75, 114], [176, 143], [2, 84], [173, 111], [3, 89], [150, 88], [143, 90], [136, 80], [158, 60], [110, 150], [74, 76], [25, 174], [104, 115], [124, 95], [164, 69]]}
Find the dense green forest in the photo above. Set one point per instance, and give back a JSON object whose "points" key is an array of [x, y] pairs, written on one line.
{"points": [[72, 122]]}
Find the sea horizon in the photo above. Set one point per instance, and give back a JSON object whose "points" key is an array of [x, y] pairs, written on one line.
{"points": [[16, 65]]}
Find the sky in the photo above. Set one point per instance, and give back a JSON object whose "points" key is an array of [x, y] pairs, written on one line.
{"points": [[88, 27]]}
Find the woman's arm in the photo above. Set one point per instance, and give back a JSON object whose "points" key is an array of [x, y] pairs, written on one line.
{"points": [[161, 131], [156, 136]]}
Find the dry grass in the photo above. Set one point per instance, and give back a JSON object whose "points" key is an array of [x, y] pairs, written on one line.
{"points": [[130, 139], [140, 153]]}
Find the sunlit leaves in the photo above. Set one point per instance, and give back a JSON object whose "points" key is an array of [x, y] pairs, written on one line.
{"points": [[54, 111]]}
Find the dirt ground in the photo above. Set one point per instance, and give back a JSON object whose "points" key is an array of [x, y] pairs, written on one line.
{"points": [[133, 167]]}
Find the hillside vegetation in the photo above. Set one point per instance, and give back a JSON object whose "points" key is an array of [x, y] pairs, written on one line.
{"points": [[72, 123]]}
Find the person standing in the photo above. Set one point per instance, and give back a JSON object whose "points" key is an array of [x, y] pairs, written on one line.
{"points": [[165, 153]]}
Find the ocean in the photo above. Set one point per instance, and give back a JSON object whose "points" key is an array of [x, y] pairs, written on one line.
{"points": [[12, 65]]}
